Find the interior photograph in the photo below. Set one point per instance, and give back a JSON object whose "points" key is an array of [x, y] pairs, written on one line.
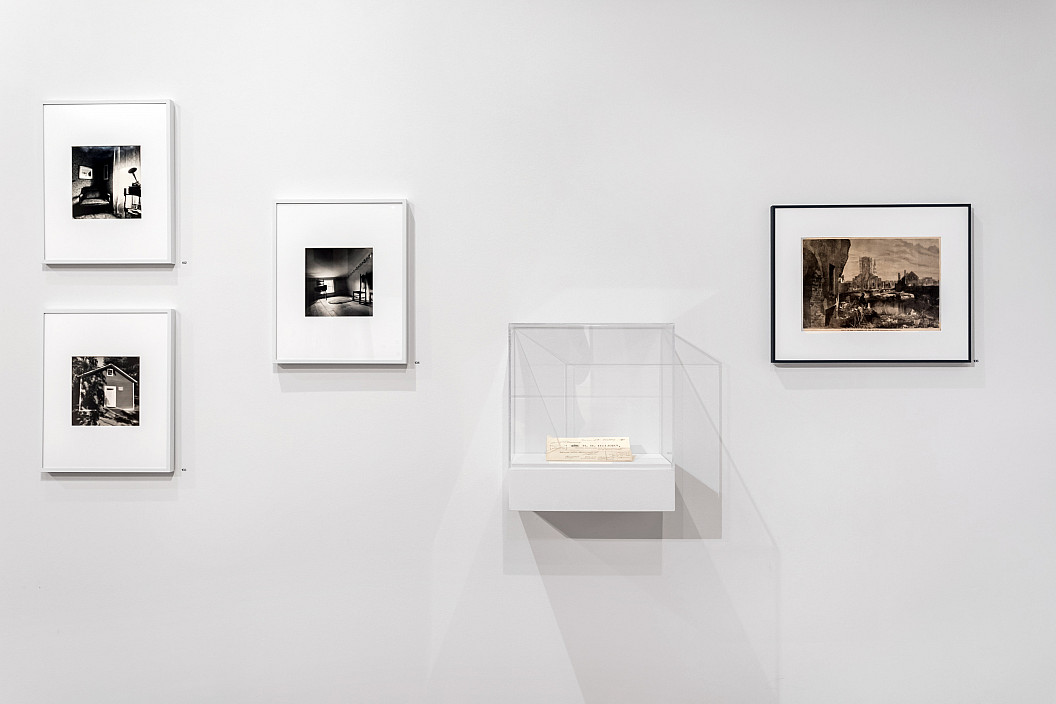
{"points": [[105, 183], [338, 281]]}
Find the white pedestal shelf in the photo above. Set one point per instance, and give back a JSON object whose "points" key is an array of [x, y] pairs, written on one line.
{"points": [[646, 484]]}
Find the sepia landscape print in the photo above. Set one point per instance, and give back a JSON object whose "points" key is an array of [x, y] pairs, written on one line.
{"points": [[105, 391], [871, 283]]}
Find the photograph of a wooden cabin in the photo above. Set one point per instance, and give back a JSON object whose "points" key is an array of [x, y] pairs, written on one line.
{"points": [[105, 390]]}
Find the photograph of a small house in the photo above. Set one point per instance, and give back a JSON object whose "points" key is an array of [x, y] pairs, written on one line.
{"points": [[106, 183], [338, 281], [105, 391]]}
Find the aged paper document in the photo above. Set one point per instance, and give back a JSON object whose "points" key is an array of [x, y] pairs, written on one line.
{"points": [[588, 449]]}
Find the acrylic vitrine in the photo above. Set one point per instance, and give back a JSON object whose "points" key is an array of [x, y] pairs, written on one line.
{"points": [[579, 380]]}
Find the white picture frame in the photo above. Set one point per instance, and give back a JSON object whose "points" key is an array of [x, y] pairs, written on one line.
{"points": [[108, 387], [101, 158], [327, 253], [844, 289]]}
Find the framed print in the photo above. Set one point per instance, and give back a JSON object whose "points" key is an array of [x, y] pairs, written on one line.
{"points": [[108, 183], [108, 391], [341, 282], [871, 283]]}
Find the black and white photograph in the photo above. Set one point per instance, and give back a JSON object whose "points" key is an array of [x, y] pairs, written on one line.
{"points": [[338, 281], [326, 308], [871, 283], [105, 390], [109, 390], [99, 157], [106, 182]]}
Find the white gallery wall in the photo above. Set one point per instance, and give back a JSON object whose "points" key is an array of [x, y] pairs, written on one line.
{"points": [[339, 535]]}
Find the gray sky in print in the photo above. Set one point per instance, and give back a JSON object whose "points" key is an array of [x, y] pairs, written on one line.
{"points": [[893, 255]]}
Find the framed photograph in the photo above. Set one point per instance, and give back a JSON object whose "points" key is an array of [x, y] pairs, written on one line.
{"points": [[341, 282], [100, 160], [871, 283], [108, 391]]}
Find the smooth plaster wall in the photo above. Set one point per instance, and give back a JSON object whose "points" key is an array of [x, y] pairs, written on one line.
{"points": [[339, 535]]}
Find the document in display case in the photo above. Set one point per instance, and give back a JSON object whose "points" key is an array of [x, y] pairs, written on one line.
{"points": [[585, 382]]}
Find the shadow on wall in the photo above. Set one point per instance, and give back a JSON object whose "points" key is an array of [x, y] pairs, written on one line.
{"points": [[682, 604]]}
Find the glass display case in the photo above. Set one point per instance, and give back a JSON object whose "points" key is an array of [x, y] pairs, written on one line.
{"points": [[584, 380]]}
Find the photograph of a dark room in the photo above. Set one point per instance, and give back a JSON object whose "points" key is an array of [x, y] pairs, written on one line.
{"points": [[338, 281], [106, 183]]}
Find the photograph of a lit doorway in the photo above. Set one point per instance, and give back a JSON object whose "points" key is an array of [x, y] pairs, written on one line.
{"points": [[338, 281], [105, 183]]}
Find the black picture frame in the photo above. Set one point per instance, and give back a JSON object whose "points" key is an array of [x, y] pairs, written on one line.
{"points": [[909, 303]]}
